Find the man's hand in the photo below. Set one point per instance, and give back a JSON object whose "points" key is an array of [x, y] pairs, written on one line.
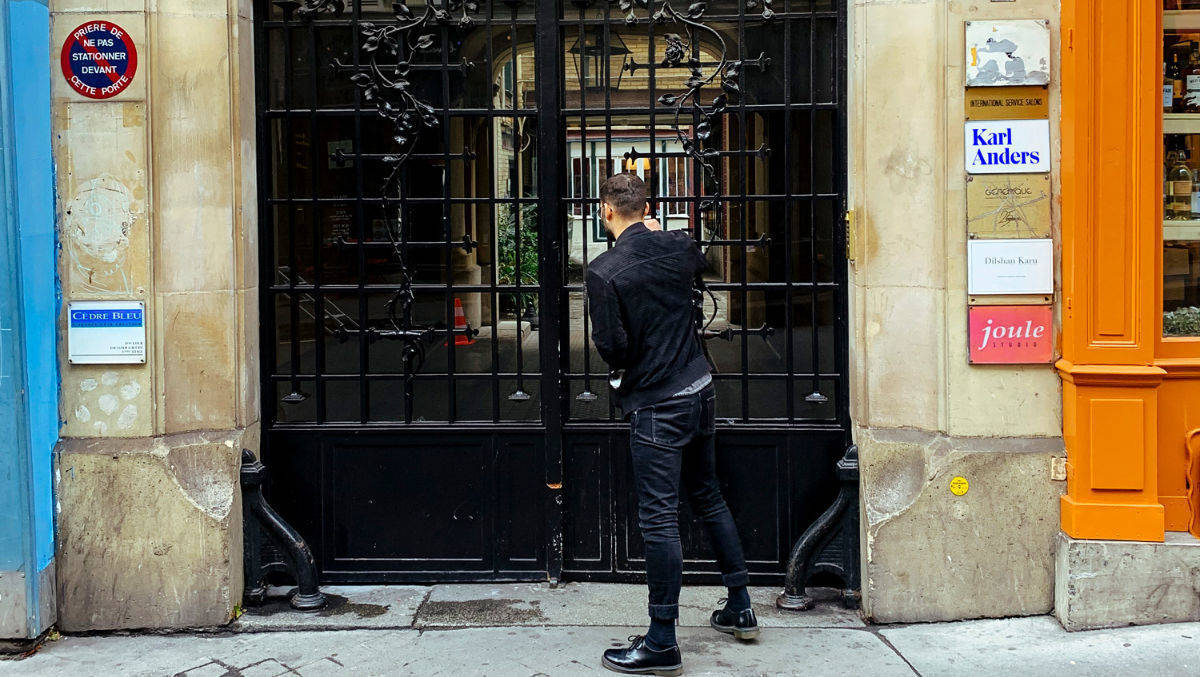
{"points": [[652, 223]]}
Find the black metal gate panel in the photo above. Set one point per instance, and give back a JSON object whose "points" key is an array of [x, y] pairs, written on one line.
{"points": [[433, 407]]}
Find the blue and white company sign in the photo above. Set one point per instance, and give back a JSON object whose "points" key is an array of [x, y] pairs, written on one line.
{"points": [[1008, 147], [106, 332]]}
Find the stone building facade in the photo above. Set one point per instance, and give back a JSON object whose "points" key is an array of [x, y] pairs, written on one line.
{"points": [[158, 200]]}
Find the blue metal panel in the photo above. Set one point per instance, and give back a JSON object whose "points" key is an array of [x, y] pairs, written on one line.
{"points": [[28, 303], [30, 38], [13, 504]]}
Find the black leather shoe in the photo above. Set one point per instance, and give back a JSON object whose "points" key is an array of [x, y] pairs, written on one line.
{"points": [[741, 624], [639, 659]]}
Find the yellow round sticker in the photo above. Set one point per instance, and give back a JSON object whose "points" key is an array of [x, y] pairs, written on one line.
{"points": [[959, 486]]}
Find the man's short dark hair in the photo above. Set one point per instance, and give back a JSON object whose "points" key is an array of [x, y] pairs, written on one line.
{"points": [[625, 193]]}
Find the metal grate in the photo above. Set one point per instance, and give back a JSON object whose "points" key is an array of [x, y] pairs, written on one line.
{"points": [[428, 185]]}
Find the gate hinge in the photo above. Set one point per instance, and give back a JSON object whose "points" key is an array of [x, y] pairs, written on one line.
{"points": [[851, 238]]}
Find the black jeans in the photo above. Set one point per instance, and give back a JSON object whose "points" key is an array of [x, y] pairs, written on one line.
{"points": [[673, 442]]}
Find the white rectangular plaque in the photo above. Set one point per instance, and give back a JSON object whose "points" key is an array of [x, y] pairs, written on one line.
{"points": [[1007, 147], [1010, 267], [106, 332], [1012, 52]]}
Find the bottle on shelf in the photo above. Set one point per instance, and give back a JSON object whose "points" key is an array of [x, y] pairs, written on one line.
{"points": [[1166, 187], [1194, 207], [1175, 71], [1191, 97], [1179, 188], [1168, 100]]}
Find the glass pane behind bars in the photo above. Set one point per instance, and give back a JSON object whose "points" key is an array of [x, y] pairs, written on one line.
{"points": [[383, 234], [379, 234], [767, 212]]}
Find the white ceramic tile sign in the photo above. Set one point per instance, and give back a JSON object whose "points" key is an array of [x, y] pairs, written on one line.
{"points": [[1005, 53], [106, 332], [1008, 147], [1010, 267]]}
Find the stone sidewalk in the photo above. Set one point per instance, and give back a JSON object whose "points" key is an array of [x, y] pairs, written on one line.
{"points": [[533, 629]]}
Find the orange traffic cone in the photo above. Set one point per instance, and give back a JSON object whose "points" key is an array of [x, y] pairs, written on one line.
{"points": [[460, 323]]}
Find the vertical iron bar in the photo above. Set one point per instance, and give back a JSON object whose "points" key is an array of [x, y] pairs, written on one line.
{"points": [[608, 159], [315, 158], [289, 145], [447, 226], [517, 211], [696, 216], [743, 162], [549, 70], [493, 213], [585, 184], [403, 219], [364, 389], [785, 137], [841, 276], [268, 264], [812, 210], [651, 185], [693, 204]]}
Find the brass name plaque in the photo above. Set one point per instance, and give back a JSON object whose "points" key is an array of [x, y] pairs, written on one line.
{"points": [[1008, 103], [1008, 206]]}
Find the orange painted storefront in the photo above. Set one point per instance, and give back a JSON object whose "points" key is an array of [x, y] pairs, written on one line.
{"points": [[1131, 399]]}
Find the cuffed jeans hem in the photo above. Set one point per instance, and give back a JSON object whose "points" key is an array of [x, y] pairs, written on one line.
{"points": [[736, 579], [664, 612]]}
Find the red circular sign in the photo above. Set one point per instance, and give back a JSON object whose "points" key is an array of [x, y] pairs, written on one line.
{"points": [[99, 59]]}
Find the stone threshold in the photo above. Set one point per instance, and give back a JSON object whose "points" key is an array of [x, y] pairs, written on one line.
{"points": [[465, 605]]}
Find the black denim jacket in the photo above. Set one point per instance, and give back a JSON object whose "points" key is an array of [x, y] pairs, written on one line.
{"points": [[640, 303]]}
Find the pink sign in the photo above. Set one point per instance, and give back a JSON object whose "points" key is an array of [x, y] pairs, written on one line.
{"points": [[1011, 334]]}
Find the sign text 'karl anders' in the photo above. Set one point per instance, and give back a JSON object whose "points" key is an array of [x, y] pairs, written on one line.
{"points": [[1008, 147]]}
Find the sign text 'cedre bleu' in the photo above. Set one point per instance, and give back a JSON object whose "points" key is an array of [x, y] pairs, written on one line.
{"points": [[1008, 147], [106, 332]]}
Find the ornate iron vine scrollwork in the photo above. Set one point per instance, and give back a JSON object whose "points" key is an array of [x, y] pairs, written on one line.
{"points": [[726, 73], [681, 53], [392, 50]]}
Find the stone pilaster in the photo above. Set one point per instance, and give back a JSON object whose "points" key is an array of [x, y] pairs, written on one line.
{"points": [[922, 414], [157, 203]]}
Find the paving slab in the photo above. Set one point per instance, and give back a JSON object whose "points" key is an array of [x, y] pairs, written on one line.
{"points": [[528, 604], [459, 652], [576, 651], [195, 655], [349, 607], [1040, 646]]}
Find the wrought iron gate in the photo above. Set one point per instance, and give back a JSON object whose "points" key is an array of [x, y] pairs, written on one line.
{"points": [[433, 408]]}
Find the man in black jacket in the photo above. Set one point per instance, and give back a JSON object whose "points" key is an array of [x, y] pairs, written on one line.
{"points": [[640, 299]]}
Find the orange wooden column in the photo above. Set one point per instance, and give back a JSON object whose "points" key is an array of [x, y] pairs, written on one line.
{"points": [[1111, 216]]}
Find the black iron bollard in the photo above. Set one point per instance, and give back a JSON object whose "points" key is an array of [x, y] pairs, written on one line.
{"points": [[272, 545], [829, 545]]}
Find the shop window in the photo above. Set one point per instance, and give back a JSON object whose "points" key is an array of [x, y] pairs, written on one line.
{"points": [[1181, 168]]}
